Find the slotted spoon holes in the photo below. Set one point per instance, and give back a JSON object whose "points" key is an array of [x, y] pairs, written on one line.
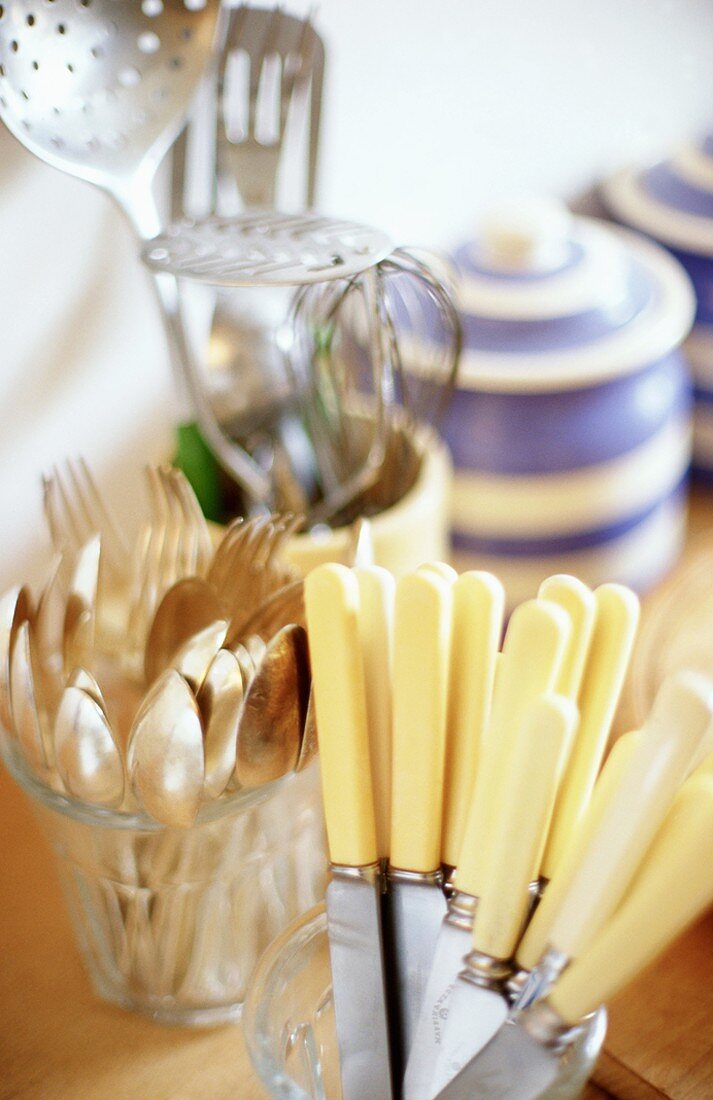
{"points": [[266, 249]]}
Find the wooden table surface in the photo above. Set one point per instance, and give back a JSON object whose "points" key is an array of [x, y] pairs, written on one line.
{"points": [[57, 1042]]}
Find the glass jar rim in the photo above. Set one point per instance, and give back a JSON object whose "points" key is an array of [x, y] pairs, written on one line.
{"points": [[134, 820]]}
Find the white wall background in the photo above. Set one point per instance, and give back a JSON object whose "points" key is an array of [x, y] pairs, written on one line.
{"points": [[433, 110]]}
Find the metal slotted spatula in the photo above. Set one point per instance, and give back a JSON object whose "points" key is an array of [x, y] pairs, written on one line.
{"points": [[99, 89]]}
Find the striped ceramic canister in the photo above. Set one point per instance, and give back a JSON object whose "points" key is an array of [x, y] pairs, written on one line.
{"points": [[672, 202], [570, 428]]}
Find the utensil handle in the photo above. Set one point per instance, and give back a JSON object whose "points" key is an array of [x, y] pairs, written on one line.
{"points": [[478, 605], [139, 207], [673, 886], [534, 942], [615, 623], [671, 737], [528, 667], [539, 749], [376, 628], [422, 624], [332, 607], [579, 602]]}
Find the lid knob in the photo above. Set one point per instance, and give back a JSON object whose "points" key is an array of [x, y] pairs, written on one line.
{"points": [[527, 234]]}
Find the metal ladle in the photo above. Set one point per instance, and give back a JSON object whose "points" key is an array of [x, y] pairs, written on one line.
{"points": [[100, 89]]}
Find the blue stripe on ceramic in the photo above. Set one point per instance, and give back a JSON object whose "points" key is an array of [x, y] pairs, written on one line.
{"points": [[707, 145], [558, 333], [663, 184], [468, 259], [467, 542], [705, 396], [702, 475], [700, 272], [503, 433]]}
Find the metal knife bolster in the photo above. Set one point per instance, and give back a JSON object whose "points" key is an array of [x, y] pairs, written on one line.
{"points": [[547, 1027], [527, 986], [461, 910], [486, 971], [370, 872], [416, 878]]}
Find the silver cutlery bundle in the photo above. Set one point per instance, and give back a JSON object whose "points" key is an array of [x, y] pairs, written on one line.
{"points": [[492, 883], [161, 677], [156, 707]]}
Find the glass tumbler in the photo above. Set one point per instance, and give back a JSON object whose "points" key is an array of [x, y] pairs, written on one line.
{"points": [[289, 1021], [170, 922]]}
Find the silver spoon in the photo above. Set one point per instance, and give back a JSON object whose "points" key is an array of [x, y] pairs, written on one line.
{"points": [[164, 756], [80, 614], [26, 705], [194, 657], [80, 678], [309, 744], [15, 608], [187, 608], [87, 756], [271, 724], [49, 629], [100, 89], [220, 701]]}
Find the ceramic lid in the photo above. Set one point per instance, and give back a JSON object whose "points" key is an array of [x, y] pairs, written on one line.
{"points": [[550, 300], [671, 200]]}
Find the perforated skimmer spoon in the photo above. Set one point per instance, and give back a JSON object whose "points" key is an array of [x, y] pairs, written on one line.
{"points": [[100, 89]]}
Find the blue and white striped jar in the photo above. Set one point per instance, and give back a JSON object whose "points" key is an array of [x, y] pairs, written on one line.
{"points": [[570, 427], [672, 201]]}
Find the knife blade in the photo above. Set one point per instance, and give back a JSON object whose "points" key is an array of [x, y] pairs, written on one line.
{"points": [[353, 900], [415, 900], [478, 1006], [587, 889], [673, 886], [528, 666]]}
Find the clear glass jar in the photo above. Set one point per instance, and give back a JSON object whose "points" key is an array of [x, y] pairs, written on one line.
{"points": [[289, 1021], [170, 922]]}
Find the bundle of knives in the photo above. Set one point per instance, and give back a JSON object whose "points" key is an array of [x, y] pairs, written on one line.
{"points": [[492, 882]]}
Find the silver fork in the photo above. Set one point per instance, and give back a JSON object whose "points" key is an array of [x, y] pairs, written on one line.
{"points": [[248, 567], [75, 512], [173, 543], [284, 59]]}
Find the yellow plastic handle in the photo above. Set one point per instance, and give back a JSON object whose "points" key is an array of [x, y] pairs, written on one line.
{"points": [[534, 943], [527, 668], [441, 569], [706, 765], [616, 619], [422, 627], [542, 740], [579, 602], [376, 625], [673, 886], [332, 606], [671, 737], [478, 604]]}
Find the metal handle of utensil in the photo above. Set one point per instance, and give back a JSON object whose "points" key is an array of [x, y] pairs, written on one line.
{"points": [[139, 207]]}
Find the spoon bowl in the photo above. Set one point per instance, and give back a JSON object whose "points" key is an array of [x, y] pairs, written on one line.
{"points": [[273, 716], [165, 760], [15, 609], [186, 609], [88, 759]]}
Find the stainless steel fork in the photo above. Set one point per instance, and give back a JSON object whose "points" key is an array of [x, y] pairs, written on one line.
{"points": [[278, 60]]}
